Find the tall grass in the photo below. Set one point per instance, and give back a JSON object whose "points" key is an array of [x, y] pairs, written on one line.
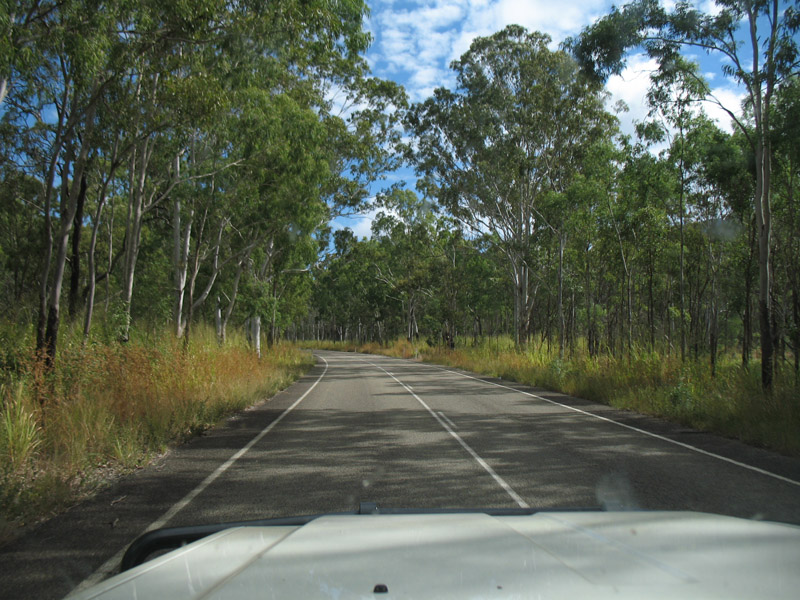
{"points": [[108, 408], [731, 403]]}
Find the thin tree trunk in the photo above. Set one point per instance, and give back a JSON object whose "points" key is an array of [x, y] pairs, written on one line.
{"points": [[232, 301], [67, 219], [44, 287], [92, 276], [682, 293], [181, 241], [796, 315], [255, 334], [561, 324], [75, 259], [92, 283], [764, 225]]}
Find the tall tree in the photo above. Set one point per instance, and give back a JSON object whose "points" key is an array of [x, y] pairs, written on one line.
{"points": [[758, 38], [508, 134]]}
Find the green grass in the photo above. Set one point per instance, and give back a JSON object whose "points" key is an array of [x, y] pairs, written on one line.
{"points": [[109, 408], [731, 404]]}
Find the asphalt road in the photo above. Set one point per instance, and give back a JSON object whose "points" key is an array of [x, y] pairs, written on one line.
{"points": [[404, 434]]}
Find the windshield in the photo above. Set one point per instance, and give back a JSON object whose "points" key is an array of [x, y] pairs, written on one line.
{"points": [[274, 259]]}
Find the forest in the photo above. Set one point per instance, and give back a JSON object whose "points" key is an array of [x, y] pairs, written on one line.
{"points": [[171, 173]]}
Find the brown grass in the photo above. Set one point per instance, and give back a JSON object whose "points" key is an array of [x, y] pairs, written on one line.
{"points": [[110, 408]]}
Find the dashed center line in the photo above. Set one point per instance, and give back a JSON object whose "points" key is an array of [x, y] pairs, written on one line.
{"points": [[444, 423], [449, 422], [625, 426]]}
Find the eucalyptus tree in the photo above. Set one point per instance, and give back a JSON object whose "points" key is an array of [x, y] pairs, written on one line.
{"points": [[405, 237], [59, 60], [758, 40], [708, 165], [349, 301], [25, 28], [284, 167], [787, 179], [674, 92], [508, 134]]}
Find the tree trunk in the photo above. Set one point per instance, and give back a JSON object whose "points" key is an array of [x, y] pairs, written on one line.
{"points": [[796, 315], [181, 241], [747, 318], [68, 210], [44, 287], [75, 259], [651, 311], [764, 228], [92, 281], [561, 325], [713, 327], [232, 301], [133, 227], [682, 293], [218, 322], [92, 276], [255, 334]]}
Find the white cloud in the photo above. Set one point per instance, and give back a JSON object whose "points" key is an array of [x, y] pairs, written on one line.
{"points": [[631, 87], [558, 19], [425, 76], [416, 41], [360, 225], [729, 98], [632, 84]]}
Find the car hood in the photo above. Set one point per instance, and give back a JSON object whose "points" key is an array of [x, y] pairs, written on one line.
{"points": [[545, 555]]}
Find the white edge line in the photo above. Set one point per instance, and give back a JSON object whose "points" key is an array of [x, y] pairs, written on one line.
{"points": [[107, 566], [631, 427], [509, 490]]}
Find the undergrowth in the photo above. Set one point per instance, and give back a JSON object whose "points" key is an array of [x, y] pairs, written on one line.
{"points": [[109, 408], [730, 403]]}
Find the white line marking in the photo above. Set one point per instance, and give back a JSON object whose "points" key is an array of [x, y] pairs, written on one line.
{"points": [[516, 497], [630, 427], [449, 422], [107, 567]]}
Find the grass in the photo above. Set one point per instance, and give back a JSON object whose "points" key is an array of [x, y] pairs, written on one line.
{"points": [[731, 403], [110, 408]]}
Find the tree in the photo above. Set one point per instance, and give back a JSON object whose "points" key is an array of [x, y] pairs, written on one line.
{"points": [[405, 243], [787, 163], [511, 132], [759, 39]]}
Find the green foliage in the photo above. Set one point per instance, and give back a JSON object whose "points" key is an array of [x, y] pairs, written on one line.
{"points": [[506, 152]]}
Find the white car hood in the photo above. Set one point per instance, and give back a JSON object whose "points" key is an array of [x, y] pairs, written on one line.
{"points": [[546, 555]]}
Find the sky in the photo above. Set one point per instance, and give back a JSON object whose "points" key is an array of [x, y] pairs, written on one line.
{"points": [[414, 42]]}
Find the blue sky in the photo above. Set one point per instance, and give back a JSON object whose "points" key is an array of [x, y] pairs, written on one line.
{"points": [[415, 41]]}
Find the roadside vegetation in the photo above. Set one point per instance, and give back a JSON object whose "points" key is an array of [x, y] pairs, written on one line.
{"points": [[108, 408], [730, 403], [168, 163]]}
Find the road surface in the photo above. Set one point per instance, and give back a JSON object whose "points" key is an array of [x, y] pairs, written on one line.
{"points": [[403, 434]]}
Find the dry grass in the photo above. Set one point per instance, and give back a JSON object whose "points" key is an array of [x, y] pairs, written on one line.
{"points": [[109, 408]]}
